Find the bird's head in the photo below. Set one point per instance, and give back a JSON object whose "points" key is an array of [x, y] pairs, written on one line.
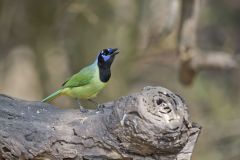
{"points": [[106, 57]]}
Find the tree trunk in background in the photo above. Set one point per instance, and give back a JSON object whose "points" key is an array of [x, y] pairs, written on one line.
{"points": [[192, 58], [151, 124]]}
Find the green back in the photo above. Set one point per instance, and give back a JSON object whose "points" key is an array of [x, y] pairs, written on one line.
{"points": [[81, 78]]}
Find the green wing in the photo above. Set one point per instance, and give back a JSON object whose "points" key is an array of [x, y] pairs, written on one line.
{"points": [[81, 78]]}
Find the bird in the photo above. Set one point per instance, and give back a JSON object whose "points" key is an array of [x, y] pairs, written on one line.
{"points": [[89, 81]]}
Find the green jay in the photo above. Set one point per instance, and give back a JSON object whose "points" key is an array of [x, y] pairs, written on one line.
{"points": [[90, 80]]}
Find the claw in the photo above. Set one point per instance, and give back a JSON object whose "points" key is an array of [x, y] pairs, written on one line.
{"points": [[100, 107], [82, 109]]}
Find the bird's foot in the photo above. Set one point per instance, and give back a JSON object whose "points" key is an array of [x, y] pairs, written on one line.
{"points": [[100, 107], [82, 109]]}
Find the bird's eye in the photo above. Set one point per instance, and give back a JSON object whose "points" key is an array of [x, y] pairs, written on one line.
{"points": [[105, 52]]}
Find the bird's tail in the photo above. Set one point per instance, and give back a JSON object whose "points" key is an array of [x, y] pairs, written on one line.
{"points": [[52, 96]]}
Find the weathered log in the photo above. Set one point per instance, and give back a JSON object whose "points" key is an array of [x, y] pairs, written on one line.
{"points": [[151, 124]]}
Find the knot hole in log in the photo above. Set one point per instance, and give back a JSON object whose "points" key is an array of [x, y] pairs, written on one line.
{"points": [[152, 121]]}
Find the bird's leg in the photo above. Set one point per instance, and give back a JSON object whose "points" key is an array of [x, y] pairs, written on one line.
{"points": [[94, 102], [99, 106], [81, 108]]}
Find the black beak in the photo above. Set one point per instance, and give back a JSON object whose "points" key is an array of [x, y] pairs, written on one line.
{"points": [[114, 51]]}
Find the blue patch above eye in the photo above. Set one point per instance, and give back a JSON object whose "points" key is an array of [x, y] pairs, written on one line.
{"points": [[110, 50], [106, 57]]}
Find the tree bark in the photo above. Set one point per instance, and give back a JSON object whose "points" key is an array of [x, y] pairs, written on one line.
{"points": [[151, 124]]}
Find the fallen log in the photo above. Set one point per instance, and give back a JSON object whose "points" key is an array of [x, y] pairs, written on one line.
{"points": [[151, 124]]}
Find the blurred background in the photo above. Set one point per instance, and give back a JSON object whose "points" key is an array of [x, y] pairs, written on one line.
{"points": [[191, 47]]}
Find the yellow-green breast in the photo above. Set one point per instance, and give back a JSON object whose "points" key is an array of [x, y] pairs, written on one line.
{"points": [[88, 91]]}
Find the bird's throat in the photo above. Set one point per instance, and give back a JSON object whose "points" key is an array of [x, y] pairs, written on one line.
{"points": [[104, 74], [104, 68]]}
